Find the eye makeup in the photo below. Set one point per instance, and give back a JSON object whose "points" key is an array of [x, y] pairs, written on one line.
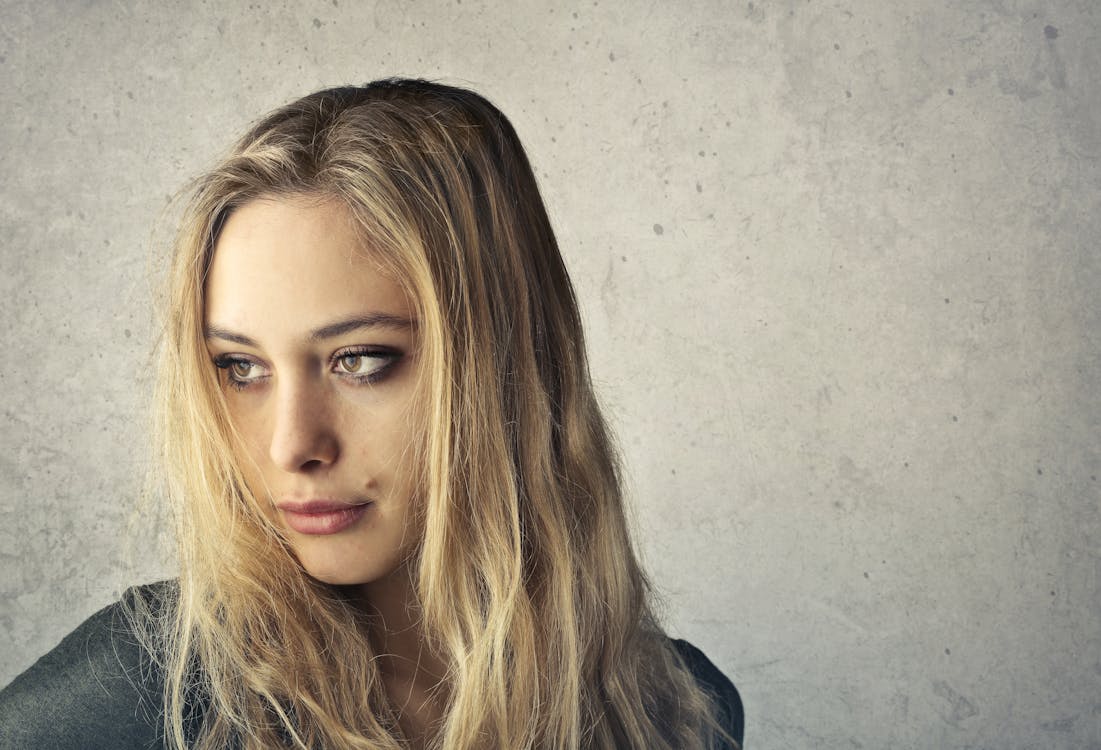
{"points": [[240, 372], [359, 365], [365, 364]]}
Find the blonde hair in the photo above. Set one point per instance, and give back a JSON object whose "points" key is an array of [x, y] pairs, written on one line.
{"points": [[525, 577]]}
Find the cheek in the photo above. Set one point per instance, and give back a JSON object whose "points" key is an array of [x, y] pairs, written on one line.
{"points": [[250, 448], [395, 448], [378, 453]]}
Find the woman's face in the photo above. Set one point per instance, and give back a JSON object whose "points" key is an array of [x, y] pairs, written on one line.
{"points": [[315, 351]]}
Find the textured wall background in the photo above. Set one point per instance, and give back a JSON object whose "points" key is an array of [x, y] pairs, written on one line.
{"points": [[840, 269]]}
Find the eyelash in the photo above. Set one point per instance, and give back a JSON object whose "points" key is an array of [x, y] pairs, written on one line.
{"points": [[389, 358], [225, 362]]}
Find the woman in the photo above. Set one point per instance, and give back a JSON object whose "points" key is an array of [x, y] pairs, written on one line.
{"points": [[398, 512]]}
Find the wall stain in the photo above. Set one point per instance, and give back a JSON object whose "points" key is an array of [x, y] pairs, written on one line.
{"points": [[1059, 725], [960, 708]]}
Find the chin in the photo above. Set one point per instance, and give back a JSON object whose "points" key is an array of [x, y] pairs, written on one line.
{"points": [[339, 570], [339, 575], [333, 578]]}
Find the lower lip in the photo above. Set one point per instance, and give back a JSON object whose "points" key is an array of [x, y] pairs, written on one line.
{"points": [[325, 522]]}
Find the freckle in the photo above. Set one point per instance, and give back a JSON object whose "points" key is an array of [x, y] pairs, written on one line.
{"points": [[1039, 471], [866, 574], [659, 229], [955, 418], [848, 94], [951, 92], [699, 188], [702, 153], [837, 46], [946, 300], [948, 651]]}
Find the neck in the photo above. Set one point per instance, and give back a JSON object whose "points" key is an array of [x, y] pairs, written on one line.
{"points": [[414, 674]]}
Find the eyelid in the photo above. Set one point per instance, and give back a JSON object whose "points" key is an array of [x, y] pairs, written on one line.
{"points": [[225, 362], [364, 350], [386, 356]]}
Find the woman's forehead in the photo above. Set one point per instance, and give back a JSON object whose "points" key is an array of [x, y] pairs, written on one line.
{"points": [[294, 263]]}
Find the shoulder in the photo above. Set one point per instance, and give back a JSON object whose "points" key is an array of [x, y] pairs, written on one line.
{"points": [[713, 681], [98, 688]]}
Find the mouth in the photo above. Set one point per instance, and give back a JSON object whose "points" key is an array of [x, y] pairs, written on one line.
{"points": [[320, 517]]}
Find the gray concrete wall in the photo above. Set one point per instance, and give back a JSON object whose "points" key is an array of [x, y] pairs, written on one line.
{"points": [[840, 267]]}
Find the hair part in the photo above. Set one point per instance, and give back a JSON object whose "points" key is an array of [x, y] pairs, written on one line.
{"points": [[525, 577]]}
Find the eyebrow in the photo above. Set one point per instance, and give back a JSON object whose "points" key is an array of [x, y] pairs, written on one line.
{"points": [[328, 331]]}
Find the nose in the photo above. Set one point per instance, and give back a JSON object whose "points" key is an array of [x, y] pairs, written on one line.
{"points": [[303, 438]]}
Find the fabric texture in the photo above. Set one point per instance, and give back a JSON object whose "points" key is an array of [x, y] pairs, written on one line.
{"points": [[731, 713], [99, 690]]}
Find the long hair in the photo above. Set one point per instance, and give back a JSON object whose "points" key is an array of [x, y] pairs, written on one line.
{"points": [[524, 575]]}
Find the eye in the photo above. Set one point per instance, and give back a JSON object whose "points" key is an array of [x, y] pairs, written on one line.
{"points": [[365, 365], [240, 373], [241, 369]]}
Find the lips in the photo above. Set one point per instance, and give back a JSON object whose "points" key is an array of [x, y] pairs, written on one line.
{"points": [[319, 517]]}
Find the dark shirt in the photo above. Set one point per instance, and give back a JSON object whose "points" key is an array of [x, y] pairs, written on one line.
{"points": [[99, 690], [731, 715]]}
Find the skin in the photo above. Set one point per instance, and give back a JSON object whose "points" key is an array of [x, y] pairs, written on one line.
{"points": [[327, 418]]}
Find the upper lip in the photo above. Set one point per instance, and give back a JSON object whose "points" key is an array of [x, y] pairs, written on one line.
{"points": [[320, 505]]}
